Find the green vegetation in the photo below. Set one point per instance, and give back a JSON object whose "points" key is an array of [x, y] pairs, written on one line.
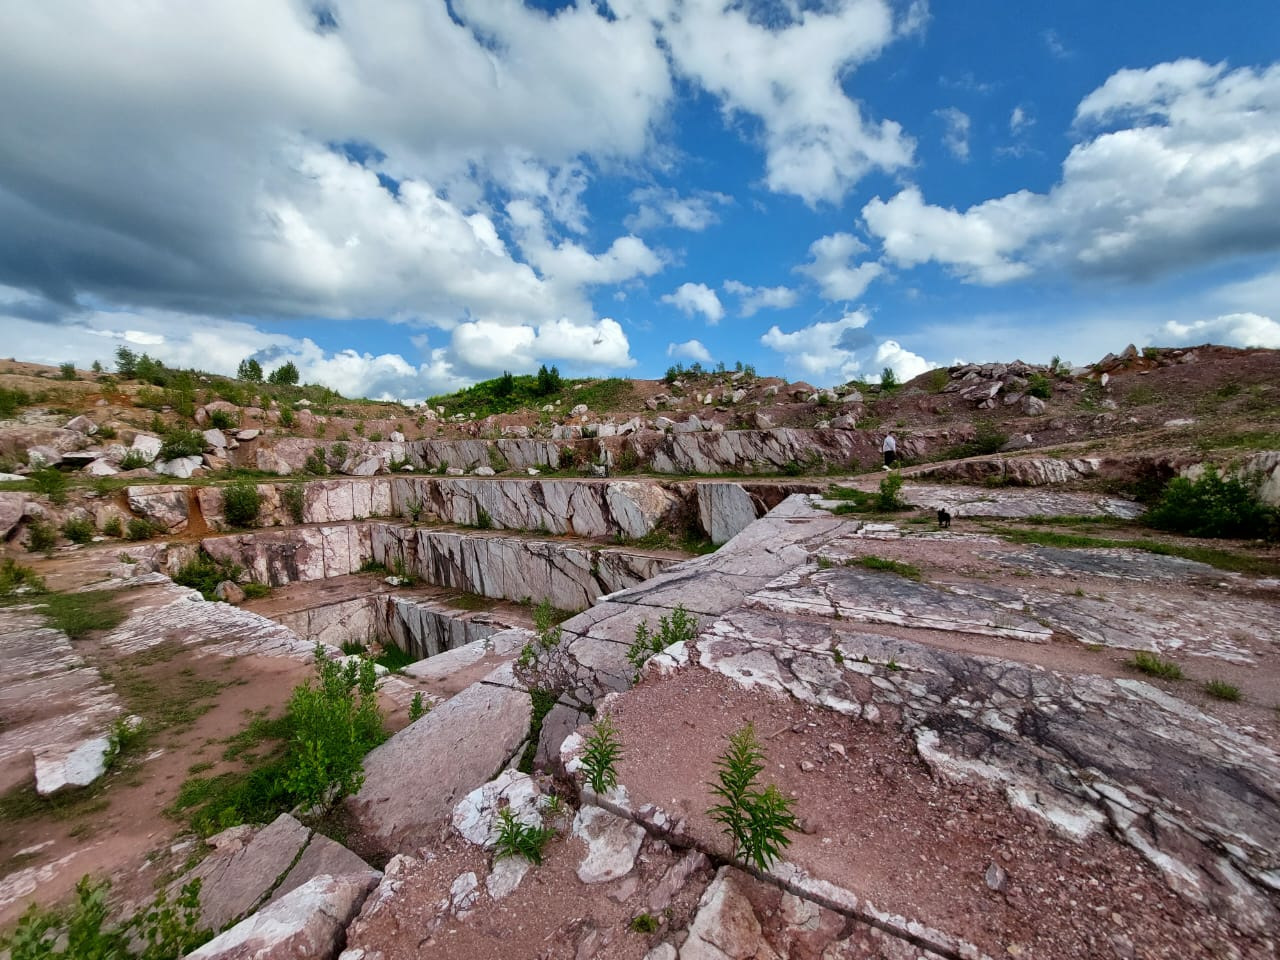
{"points": [[241, 503], [1236, 561], [16, 579], [1038, 385], [250, 371], [286, 374], [291, 496], [1153, 666], [204, 573], [885, 500], [11, 401], [937, 379], [181, 443], [1214, 506], [987, 439], [52, 482], [516, 839], [1243, 439], [645, 923], [139, 528], [41, 536], [888, 380], [908, 570], [680, 626], [601, 756], [222, 420], [418, 708], [67, 371], [1222, 690], [161, 931], [313, 754], [393, 658], [508, 393], [757, 822], [133, 460], [75, 614]]}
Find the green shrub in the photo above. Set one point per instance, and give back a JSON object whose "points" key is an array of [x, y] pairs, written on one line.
{"points": [[483, 520], [644, 923], [1214, 506], [241, 503], [11, 401], [67, 371], [205, 573], [756, 821], [52, 482], [1038, 385], [41, 536], [987, 439], [78, 530], [106, 432], [140, 528], [112, 527], [1222, 690], [601, 756], [679, 627], [133, 460], [315, 463], [1153, 666], [160, 931], [418, 708], [181, 443], [516, 839], [336, 721], [15, 577], [887, 500], [888, 380], [292, 498], [908, 570], [222, 420]]}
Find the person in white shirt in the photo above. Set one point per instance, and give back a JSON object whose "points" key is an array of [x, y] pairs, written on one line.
{"points": [[890, 450]]}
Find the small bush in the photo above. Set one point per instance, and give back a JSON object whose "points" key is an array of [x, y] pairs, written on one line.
{"points": [[241, 503], [41, 536], [292, 498], [987, 439], [140, 529], [106, 432], [15, 577], [645, 923], [679, 627], [315, 463], [78, 530], [756, 821], [181, 443], [516, 839], [11, 401], [1213, 506], [887, 500], [205, 573], [601, 756], [222, 420], [336, 721], [133, 460], [67, 371], [1038, 385], [1153, 666], [287, 419], [418, 708], [52, 482], [1222, 690], [483, 520]]}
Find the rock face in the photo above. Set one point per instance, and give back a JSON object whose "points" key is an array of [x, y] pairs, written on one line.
{"points": [[425, 629], [165, 505], [311, 921], [418, 776], [725, 510]]}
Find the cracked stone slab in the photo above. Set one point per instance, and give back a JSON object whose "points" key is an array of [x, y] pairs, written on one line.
{"points": [[885, 597], [1201, 800], [1117, 563], [963, 501], [239, 875], [612, 844]]}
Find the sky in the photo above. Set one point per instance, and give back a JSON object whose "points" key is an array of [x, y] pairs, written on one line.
{"points": [[404, 197]]}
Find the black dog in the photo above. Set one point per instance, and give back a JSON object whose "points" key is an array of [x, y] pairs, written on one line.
{"points": [[944, 519]]}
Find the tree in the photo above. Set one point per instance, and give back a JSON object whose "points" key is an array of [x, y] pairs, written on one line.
{"points": [[888, 379], [288, 374], [126, 362], [548, 381], [250, 370], [504, 384], [151, 370]]}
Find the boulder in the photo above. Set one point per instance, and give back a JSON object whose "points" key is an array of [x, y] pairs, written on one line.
{"points": [[245, 435], [183, 468], [396, 437], [70, 765], [364, 467], [579, 410], [101, 467], [43, 456], [166, 505], [271, 462], [82, 424], [1032, 406], [612, 844], [245, 868], [12, 509], [724, 510], [484, 471], [215, 438], [418, 776], [476, 815], [147, 445], [310, 921], [725, 925], [229, 592]]}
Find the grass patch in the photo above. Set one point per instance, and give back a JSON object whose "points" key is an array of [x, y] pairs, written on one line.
{"points": [[1154, 666], [1237, 561], [17, 580], [1221, 690], [394, 659], [23, 803], [1245, 439], [164, 698], [75, 614], [908, 570], [472, 602]]}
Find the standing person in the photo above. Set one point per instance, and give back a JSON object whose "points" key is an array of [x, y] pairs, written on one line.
{"points": [[890, 450]]}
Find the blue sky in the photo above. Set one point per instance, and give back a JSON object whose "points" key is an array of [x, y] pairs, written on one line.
{"points": [[403, 197]]}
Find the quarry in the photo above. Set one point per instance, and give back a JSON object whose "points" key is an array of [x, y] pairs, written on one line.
{"points": [[1005, 715]]}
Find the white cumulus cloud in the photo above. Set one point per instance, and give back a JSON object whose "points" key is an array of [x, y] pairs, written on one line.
{"points": [[831, 269], [1232, 329], [1180, 167], [751, 300], [955, 136], [689, 350], [691, 298], [666, 207]]}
